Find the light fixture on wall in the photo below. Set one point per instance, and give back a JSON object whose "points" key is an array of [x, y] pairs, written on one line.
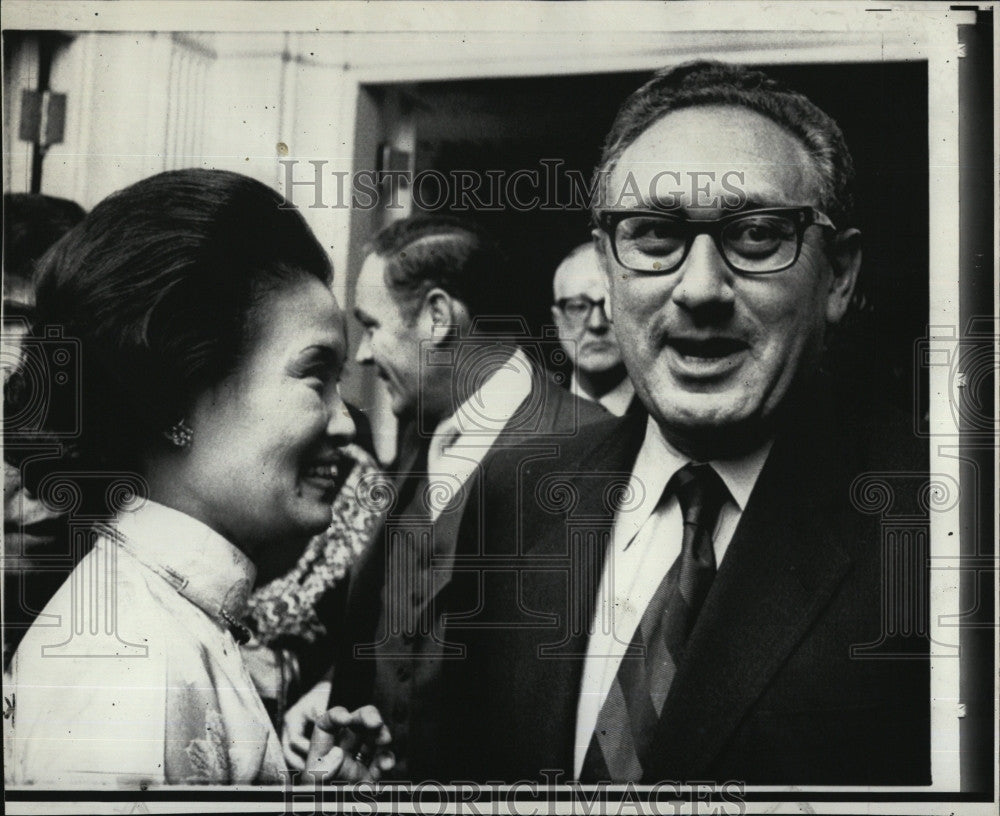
{"points": [[43, 113], [43, 117]]}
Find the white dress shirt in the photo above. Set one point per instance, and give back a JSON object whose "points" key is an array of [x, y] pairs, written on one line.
{"points": [[646, 540], [617, 400], [140, 680], [462, 440]]}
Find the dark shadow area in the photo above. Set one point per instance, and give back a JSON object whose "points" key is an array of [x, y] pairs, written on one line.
{"points": [[556, 125]]}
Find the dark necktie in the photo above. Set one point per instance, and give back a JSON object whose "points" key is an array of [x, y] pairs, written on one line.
{"points": [[632, 709]]}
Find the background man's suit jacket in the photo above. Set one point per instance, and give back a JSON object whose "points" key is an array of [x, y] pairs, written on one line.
{"points": [[415, 715], [769, 691]]}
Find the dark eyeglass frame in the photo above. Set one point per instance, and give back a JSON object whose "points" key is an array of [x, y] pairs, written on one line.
{"points": [[804, 217], [591, 305]]}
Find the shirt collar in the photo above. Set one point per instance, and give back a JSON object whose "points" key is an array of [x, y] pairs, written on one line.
{"points": [[616, 401], [658, 461], [740, 475], [489, 409], [198, 562]]}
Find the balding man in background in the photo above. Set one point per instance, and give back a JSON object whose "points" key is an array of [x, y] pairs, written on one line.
{"points": [[580, 311]]}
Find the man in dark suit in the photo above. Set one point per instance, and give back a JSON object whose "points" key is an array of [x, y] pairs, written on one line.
{"points": [[463, 385], [703, 594]]}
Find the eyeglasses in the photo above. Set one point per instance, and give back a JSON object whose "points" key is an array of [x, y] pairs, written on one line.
{"points": [[579, 309], [753, 242]]}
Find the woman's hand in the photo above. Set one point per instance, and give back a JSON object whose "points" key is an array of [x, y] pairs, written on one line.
{"points": [[350, 746], [298, 723]]}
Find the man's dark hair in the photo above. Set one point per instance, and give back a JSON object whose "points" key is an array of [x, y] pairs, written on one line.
{"points": [[425, 252], [31, 224], [697, 84]]}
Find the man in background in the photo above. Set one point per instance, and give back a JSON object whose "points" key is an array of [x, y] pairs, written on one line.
{"points": [[36, 555], [580, 312], [463, 383]]}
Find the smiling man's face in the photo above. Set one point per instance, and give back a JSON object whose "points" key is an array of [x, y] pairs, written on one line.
{"points": [[714, 353], [391, 341]]}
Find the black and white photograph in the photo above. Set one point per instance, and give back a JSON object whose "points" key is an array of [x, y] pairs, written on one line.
{"points": [[499, 407]]}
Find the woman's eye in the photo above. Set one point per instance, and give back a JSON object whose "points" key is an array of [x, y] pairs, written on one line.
{"points": [[318, 380]]}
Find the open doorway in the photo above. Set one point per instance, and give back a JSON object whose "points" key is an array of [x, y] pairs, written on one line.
{"points": [[507, 126], [513, 135], [532, 143]]}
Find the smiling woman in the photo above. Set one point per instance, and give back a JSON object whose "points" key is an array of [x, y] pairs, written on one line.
{"points": [[211, 348]]}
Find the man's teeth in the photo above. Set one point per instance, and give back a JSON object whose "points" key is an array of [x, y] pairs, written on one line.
{"points": [[706, 349], [323, 471]]}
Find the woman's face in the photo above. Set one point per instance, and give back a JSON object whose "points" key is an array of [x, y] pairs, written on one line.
{"points": [[264, 466]]}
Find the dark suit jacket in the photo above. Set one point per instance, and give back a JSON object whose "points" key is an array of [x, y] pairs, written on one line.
{"points": [[794, 673], [402, 613]]}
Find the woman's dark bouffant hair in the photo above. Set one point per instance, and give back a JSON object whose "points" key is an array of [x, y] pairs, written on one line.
{"points": [[158, 284]]}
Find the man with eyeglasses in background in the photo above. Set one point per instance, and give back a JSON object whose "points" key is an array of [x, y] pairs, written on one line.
{"points": [[701, 594], [580, 312]]}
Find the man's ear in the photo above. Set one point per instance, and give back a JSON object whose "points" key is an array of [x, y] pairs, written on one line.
{"points": [[442, 316], [846, 263]]}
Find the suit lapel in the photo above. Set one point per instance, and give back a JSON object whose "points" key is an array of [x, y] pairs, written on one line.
{"points": [[635, 407], [539, 413], [588, 473], [780, 571], [558, 411], [557, 656], [364, 604]]}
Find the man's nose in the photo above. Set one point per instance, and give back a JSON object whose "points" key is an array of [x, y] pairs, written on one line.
{"points": [[704, 277], [597, 321], [363, 355]]}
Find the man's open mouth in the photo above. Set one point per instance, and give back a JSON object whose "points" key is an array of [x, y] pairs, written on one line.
{"points": [[707, 348]]}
